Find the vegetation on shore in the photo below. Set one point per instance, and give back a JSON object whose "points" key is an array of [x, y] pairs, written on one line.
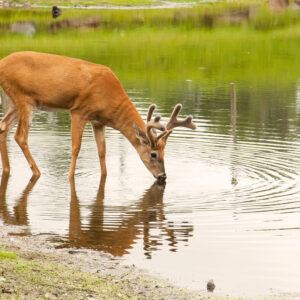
{"points": [[249, 14], [227, 39], [36, 277]]}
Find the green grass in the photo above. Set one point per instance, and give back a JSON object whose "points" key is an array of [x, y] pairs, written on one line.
{"points": [[212, 15], [7, 255], [169, 53], [35, 276]]}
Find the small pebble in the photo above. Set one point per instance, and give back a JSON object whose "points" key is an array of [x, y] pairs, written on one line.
{"points": [[50, 296], [210, 285]]}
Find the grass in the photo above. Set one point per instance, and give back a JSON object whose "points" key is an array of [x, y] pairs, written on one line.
{"points": [[170, 54], [34, 276], [7, 255], [212, 15]]}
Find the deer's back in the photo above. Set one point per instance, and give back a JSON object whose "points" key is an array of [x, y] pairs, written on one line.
{"points": [[52, 80]]}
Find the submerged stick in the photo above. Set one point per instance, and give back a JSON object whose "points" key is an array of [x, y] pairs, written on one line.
{"points": [[233, 110], [234, 180]]}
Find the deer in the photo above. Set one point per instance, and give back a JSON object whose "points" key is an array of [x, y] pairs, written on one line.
{"points": [[91, 93]]}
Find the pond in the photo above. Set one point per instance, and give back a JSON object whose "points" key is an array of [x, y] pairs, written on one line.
{"points": [[230, 209]]}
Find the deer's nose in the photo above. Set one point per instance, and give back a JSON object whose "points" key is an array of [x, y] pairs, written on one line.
{"points": [[162, 177]]}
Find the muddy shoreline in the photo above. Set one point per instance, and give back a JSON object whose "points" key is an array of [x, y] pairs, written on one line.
{"points": [[137, 282]]}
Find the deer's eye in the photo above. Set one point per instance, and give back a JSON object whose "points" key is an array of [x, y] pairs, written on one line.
{"points": [[153, 155]]}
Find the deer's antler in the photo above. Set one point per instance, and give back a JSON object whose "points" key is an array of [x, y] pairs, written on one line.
{"points": [[174, 122], [153, 124]]}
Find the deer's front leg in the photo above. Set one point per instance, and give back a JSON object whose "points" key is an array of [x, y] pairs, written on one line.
{"points": [[99, 134], [78, 124]]}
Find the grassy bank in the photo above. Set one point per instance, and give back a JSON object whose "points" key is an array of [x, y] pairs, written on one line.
{"points": [[234, 40], [210, 15], [36, 277], [170, 54]]}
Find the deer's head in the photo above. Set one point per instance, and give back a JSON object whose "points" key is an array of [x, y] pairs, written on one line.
{"points": [[152, 145]]}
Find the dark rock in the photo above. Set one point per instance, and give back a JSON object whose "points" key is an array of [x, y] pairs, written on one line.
{"points": [[56, 12]]}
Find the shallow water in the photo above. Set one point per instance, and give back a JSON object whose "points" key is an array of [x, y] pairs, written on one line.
{"points": [[229, 210]]}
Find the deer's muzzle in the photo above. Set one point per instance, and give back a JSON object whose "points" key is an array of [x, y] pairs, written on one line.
{"points": [[162, 177]]}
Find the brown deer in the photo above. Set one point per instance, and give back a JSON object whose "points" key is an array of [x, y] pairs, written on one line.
{"points": [[91, 92]]}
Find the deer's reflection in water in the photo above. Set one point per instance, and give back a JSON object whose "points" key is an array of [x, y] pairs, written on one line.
{"points": [[19, 215], [117, 238], [144, 220]]}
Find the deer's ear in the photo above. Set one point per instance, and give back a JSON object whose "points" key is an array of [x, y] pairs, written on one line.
{"points": [[140, 134]]}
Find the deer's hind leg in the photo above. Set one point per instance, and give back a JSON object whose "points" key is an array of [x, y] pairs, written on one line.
{"points": [[8, 121], [25, 114]]}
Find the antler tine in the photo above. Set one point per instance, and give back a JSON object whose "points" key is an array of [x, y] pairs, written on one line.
{"points": [[174, 122], [177, 109], [150, 112], [164, 134], [153, 124], [150, 130]]}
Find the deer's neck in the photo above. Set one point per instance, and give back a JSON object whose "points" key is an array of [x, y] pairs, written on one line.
{"points": [[124, 119]]}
